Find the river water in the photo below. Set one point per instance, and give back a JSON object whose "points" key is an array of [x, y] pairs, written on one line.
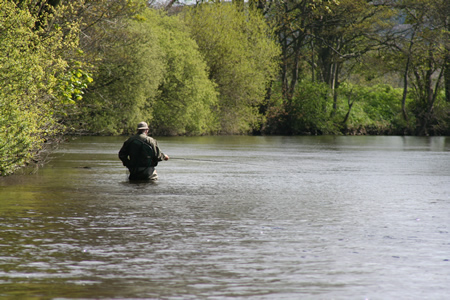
{"points": [[233, 218]]}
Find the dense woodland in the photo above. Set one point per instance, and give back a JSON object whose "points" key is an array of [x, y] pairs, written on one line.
{"points": [[290, 67]]}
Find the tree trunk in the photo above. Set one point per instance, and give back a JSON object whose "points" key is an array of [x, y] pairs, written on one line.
{"points": [[447, 77], [294, 76], [405, 89], [350, 105], [429, 94], [313, 63], [334, 84], [446, 10]]}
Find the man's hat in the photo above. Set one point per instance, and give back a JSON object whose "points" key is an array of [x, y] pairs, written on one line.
{"points": [[142, 125]]}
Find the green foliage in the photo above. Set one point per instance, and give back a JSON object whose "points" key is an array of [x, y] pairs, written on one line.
{"points": [[437, 120], [308, 112], [73, 84], [100, 65], [187, 99], [336, 42], [310, 107], [152, 71], [32, 65], [126, 75], [242, 59], [441, 118], [17, 136], [418, 52], [375, 110], [208, 69]]}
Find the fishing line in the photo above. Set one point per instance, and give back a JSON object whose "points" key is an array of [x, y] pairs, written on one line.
{"points": [[206, 160], [216, 161]]}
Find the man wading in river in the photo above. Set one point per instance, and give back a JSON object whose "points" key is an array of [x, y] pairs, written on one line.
{"points": [[141, 154]]}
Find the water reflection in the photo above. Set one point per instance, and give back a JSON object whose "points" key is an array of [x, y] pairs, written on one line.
{"points": [[239, 217]]}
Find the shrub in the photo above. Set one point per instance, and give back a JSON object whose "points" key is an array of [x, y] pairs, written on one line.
{"points": [[31, 82]]}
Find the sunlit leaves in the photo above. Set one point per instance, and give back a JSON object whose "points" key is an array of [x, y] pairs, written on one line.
{"points": [[242, 59], [31, 64], [73, 84], [187, 100]]}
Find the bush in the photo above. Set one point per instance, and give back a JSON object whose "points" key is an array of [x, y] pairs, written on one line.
{"points": [[308, 113], [31, 82], [375, 110]]}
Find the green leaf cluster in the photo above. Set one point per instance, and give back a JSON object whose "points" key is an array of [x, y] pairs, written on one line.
{"points": [[73, 84], [127, 72], [187, 100], [152, 71], [199, 72], [307, 113], [355, 42], [371, 110], [374, 109], [32, 65], [242, 59]]}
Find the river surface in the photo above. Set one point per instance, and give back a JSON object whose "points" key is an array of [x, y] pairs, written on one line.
{"points": [[232, 218]]}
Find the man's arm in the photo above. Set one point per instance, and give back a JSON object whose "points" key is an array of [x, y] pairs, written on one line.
{"points": [[123, 155], [159, 155]]}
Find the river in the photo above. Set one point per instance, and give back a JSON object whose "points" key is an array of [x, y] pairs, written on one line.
{"points": [[233, 217]]}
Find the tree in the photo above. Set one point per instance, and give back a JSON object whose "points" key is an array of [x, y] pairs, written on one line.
{"points": [[241, 57], [426, 39], [40, 9], [343, 34], [35, 75], [439, 11], [149, 69], [293, 21], [121, 61], [187, 99], [321, 40]]}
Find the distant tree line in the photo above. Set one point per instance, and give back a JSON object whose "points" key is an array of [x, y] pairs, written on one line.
{"points": [[261, 67], [357, 67]]}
